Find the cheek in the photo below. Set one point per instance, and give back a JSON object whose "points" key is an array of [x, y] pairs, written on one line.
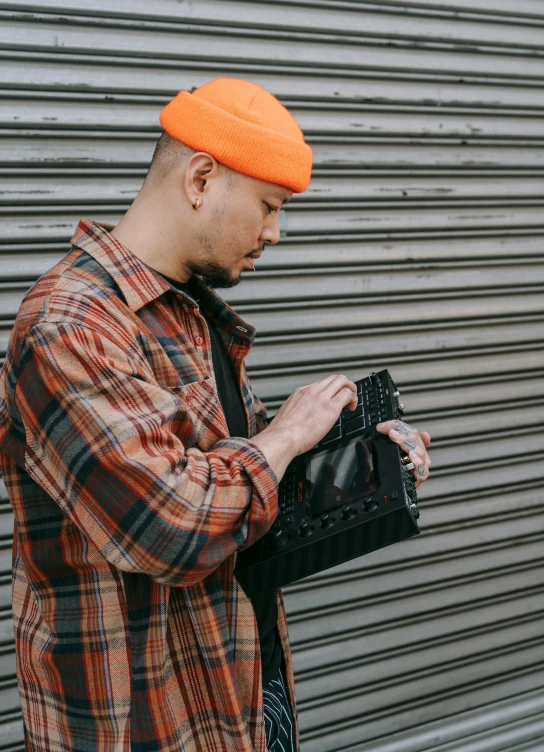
{"points": [[244, 230]]}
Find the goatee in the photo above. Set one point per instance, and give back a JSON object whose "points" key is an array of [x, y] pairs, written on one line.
{"points": [[215, 276]]}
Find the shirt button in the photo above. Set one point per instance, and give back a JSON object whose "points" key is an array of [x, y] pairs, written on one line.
{"points": [[199, 341]]}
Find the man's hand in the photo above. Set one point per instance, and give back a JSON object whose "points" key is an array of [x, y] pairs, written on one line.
{"points": [[311, 411], [413, 442], [304, 418]]}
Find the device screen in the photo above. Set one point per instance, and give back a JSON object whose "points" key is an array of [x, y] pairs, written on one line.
{"points": [[338, 476]]}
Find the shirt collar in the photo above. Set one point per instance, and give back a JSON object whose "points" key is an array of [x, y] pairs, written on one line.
{"points": [[140, 284]]}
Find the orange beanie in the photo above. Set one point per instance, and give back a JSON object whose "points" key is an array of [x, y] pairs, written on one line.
{"points": [[245, 128]]}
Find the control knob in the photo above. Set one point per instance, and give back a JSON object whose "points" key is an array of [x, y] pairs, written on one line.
{"points": [[304, 529], [415, 511], [326, 521], [370, 505], [279, 539]]}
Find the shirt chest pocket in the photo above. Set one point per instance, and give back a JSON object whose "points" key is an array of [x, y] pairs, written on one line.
{"points": [[200, 420]]}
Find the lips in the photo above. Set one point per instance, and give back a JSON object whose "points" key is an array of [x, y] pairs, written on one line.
{"points": [[250, 259]]}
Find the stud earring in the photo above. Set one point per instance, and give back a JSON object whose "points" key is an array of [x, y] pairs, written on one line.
{"points": [[197, 204]]}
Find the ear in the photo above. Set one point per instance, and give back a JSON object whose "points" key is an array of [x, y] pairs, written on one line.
{"points": [[201, 167]]}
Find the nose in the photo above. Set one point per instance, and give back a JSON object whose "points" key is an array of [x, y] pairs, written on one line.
{"points": [[271, 230]]}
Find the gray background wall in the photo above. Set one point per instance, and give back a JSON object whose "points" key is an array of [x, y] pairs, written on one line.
{"points": [[418, 247]]}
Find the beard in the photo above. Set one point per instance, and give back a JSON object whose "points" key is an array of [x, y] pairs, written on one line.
{"points": [[214, 275]]}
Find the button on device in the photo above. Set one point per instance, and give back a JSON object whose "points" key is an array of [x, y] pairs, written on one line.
{"points": [[350, 426], [348, 513], [351, 414], [334, 433], [288, 519], [199, 341]]}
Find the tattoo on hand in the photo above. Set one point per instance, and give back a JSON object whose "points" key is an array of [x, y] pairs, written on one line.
{"points": [[409, 444], [421, 469], [399, 428]]}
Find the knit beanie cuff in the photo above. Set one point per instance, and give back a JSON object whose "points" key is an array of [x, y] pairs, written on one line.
{"points": [[244, 146]]}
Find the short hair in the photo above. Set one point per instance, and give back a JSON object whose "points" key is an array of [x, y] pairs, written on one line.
{"points": [[170, 153]]}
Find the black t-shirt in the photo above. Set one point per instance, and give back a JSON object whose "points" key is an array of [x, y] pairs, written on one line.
{"points": [[264, 603]]}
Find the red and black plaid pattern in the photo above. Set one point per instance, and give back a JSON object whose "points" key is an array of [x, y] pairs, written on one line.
{"points": [[130, 503]]}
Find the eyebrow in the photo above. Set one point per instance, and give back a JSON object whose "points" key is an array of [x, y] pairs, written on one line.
{"points": [[282, 197]]}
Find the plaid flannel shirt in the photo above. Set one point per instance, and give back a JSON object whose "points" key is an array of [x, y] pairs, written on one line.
{"points": [[131, 501]]}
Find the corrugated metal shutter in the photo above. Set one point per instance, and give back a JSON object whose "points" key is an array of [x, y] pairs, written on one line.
{"points": [[418, 247]]}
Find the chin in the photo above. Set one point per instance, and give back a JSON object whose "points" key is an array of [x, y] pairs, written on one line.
{"points": [[223, 280]]}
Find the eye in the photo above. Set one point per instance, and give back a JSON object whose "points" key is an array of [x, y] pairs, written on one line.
{"points": [[271, 208]]}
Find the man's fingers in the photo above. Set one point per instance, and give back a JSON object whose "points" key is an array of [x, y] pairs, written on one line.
{"points": [[320, 384], [421, 468], [327, 380], [339, 382], [332, 384], [425, 437], [346, 397], [410, 440], [402, 432]]}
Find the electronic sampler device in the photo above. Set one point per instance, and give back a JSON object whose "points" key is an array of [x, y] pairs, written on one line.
{"points": [[350, 494]]}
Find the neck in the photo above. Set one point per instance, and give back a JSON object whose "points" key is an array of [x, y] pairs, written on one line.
{"points": [[148, 232]]}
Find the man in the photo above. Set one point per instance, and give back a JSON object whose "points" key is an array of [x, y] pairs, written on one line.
{"points": [[138, 460]]}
